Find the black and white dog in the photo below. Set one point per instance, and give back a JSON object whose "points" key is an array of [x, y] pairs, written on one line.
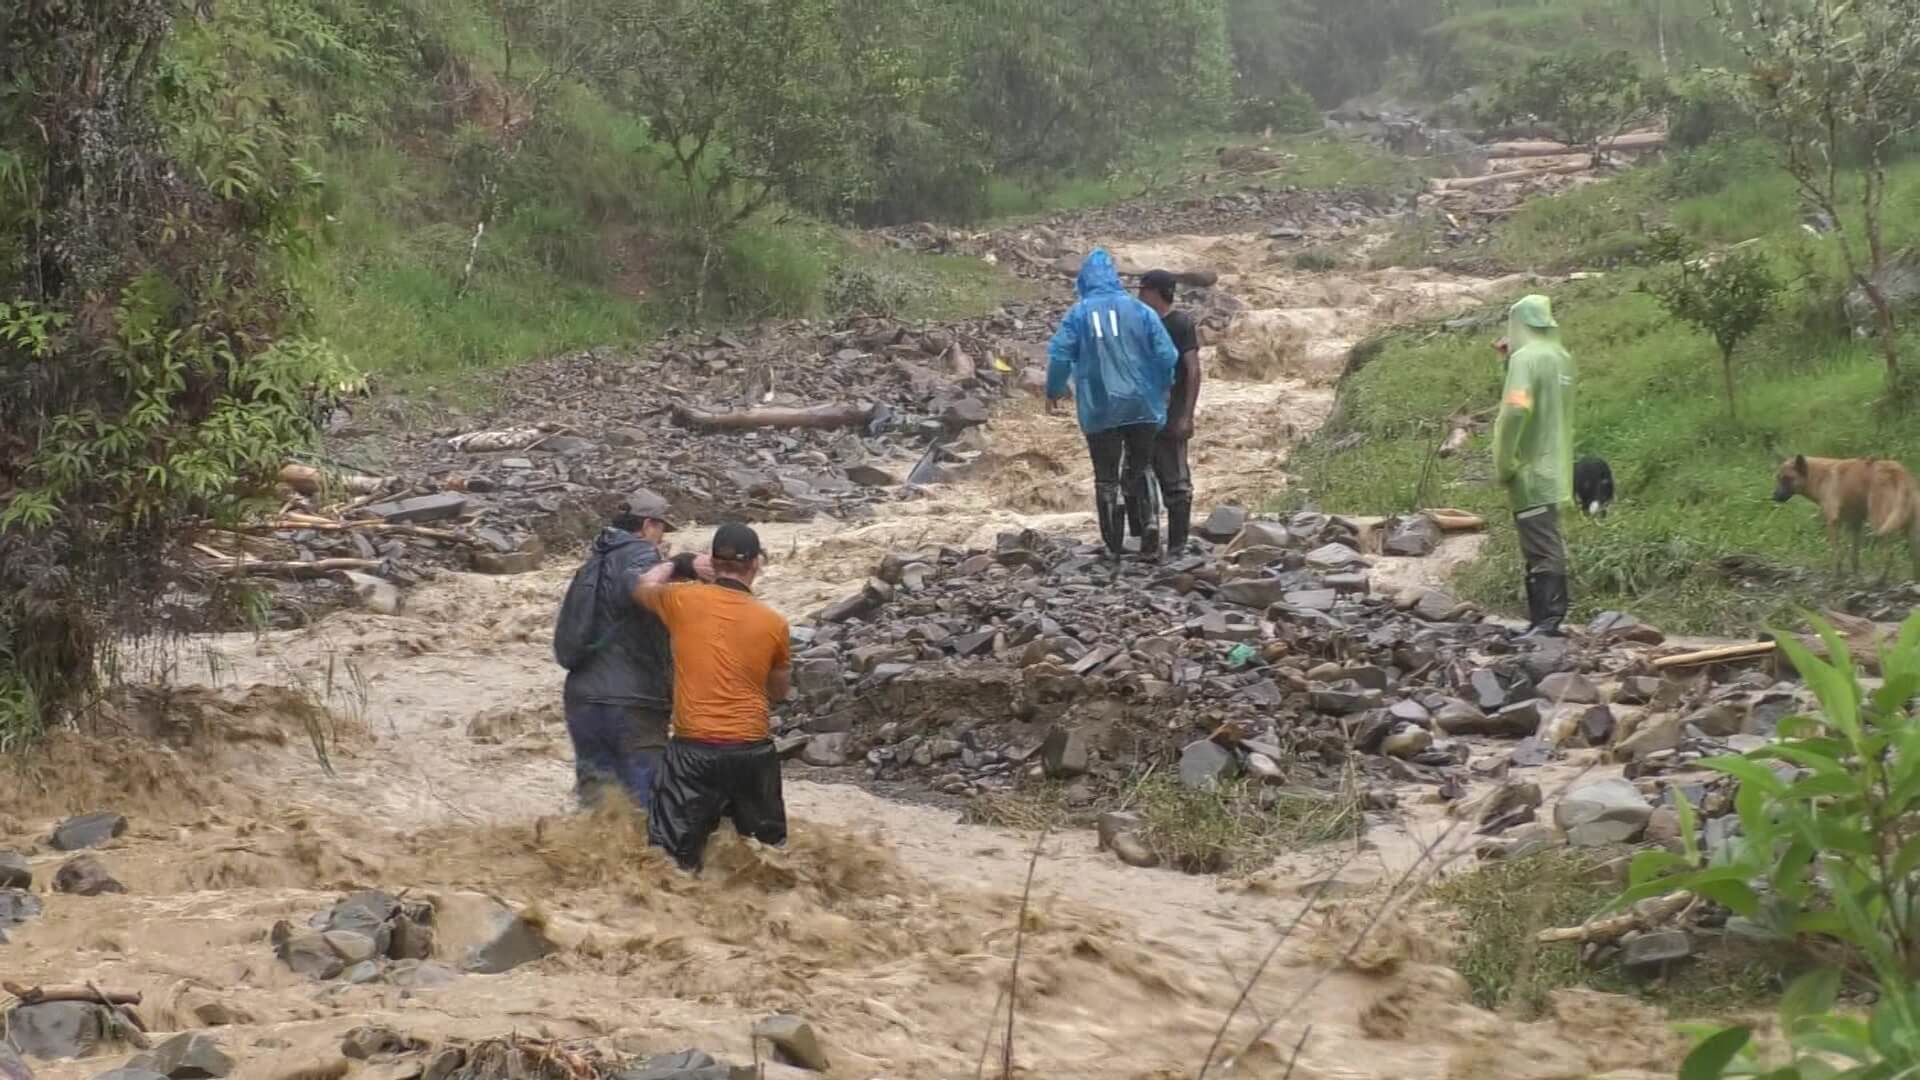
{"points": [[1593, 485]]}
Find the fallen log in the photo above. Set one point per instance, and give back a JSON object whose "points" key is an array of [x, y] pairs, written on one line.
{"points": [[1646, 915], [821, 417], [40, 995], [307, 480], [1469, 183], [1632, 143], [319, 568], [1716, 655], [295, 521]]}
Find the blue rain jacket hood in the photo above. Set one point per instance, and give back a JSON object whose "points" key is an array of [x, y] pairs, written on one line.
{"points": [[1115, 349]]}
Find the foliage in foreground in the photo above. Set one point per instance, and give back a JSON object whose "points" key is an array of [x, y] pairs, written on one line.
{"points": [[151, 369], [1828, 846]]}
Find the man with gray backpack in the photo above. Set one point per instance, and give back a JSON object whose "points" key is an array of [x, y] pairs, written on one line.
{"points": [[619, 661]]}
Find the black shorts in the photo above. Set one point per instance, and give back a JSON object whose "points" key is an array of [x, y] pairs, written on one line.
{"points": [[704, 782]]}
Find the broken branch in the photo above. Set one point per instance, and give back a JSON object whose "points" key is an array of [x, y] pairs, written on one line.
{"points": [[317, 569], [40, 995], [1646, 916], [1715, 656]]}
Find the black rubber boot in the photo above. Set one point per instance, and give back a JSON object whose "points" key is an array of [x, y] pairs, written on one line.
{"points": [[1113, 520], [1547, 603], [1179, 522], [1136, 517], [1146, 505]]}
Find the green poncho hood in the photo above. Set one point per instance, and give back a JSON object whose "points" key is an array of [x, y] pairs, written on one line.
{"points": [[1533, 437]]}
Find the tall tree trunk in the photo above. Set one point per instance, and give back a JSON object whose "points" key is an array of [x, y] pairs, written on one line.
{"points": [[1726, 376]]}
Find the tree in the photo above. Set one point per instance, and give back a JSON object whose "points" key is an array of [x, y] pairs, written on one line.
{"points": [[1834, 85], [1055, 85], [1586, 96], [151, 369], [1726, 296], [747, 98]]}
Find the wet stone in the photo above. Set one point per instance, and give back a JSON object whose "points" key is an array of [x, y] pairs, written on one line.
{"points": [[1601, 813], [1460, 718], [1333, 557], [1345, 698], [1569, 688], [1223, 524], [371, 1040], [306, 952], [1258, 593], [1637, 690], [1414, 536], [85, 875], [190, 1056], [1435, 606], [421, 509], [1205, 764], [17, 906], [87, 830], [1312, 599], [1656, 947], [15, 871], [794, 1042], [686, 1065], [59, 1029], [1719, 719], [1488, 692], [1619, 626], [1597, 725], [1408, 711], [351, 947], [1519, 719]]}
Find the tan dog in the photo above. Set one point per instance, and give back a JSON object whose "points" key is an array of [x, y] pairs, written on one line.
{"points": [[1856, 493]]}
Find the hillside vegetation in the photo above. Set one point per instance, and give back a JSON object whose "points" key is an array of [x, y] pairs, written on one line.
{"points": [[1695, 540]]}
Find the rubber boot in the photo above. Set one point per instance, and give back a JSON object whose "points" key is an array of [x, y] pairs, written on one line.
{"points": [[1136, 517], [1149, 532], [1179, 522], [1113, 520], [1546, 606]]}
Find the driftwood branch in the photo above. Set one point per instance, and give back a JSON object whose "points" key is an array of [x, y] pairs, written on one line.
{"points": [[1469, 183], [319, 568], [1647, 916], [824, 417], [1715, 656], [40, 995], [1451, 520]]}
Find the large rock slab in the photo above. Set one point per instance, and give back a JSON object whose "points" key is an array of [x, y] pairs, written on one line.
{"points": [[15, 871], [188, 1056], [85, 875], [421, 508], [1603, 812], [1205, 764], [87, 830], [793, 1040], [59, 1029]]}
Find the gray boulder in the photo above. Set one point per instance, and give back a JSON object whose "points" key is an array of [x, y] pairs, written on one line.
{"points": [[1206, 764], [59, 1029], [87, 830], [15, 871], [1603, 812], [189, 1056], [793, 1040], [84, 875]]}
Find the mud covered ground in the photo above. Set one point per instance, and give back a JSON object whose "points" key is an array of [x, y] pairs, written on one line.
{"points": [[423, 751]]}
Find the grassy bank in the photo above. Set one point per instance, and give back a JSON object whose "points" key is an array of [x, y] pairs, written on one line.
{"points": [[1694, 542]]}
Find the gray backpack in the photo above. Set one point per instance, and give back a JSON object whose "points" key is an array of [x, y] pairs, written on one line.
{"points": [[576, 630]]}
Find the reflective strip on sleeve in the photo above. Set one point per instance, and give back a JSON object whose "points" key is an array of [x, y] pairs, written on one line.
{"points": [[1520, 399]]}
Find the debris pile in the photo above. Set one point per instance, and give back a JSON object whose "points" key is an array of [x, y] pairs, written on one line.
{"points": [[785, 423], [372, 936]]}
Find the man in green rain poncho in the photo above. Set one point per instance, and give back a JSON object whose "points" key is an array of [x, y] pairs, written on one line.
{"points": [[1533, 454]]}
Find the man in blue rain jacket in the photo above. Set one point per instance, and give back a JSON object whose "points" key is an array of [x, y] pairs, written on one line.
{"points": [[1121, 360]]}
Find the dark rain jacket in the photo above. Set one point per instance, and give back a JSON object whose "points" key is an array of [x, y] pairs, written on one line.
{"points": [[635, 666]]}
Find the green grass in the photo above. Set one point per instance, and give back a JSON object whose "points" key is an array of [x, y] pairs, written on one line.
{"points": [[1239, 827], [1504, 904], [1694, 542]]}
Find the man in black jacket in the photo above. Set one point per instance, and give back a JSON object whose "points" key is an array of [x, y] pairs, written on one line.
{"points": [[619, 699], [1170, 467]]}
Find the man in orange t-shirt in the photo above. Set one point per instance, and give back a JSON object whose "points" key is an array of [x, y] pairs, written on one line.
{"points": [[730, 663]]}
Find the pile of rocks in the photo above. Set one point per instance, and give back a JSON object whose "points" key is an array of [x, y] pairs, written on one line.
{"points": [[373, 936], [79, 874], [570, 437], [1263, 653]]}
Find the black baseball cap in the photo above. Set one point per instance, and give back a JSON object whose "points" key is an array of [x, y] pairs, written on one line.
{"points": [[1160, 281], [736, 543]]}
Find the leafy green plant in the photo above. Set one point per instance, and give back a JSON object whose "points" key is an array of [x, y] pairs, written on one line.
{"points": [[1727, 296], [1831, 84], [1588, 96], [152, 369], [1828, 847]]}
